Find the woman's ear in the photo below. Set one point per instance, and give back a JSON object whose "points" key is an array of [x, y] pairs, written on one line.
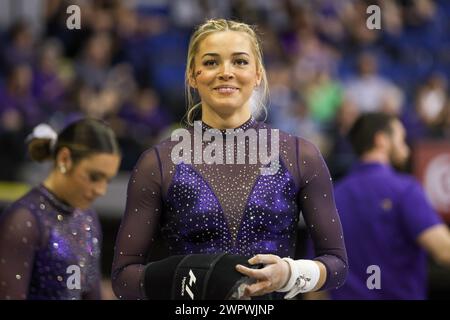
{"points": [[192, 81], [64, 159], [258, 77]]}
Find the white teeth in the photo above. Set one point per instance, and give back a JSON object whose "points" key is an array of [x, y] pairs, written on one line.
{"points": [[226, 90]]}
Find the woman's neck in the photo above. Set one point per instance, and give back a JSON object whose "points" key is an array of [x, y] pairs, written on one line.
{"points": [[55, 185], [229, 121]]}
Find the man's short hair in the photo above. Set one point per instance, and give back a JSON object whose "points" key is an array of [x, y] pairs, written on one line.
{"points": [[362, 134]]}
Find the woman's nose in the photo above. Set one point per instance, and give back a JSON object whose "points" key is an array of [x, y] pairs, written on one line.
{"points": [[100, 189], [226, 72]]}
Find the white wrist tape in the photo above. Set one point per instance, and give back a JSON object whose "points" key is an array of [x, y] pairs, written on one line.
{"points": [[304, 277]]}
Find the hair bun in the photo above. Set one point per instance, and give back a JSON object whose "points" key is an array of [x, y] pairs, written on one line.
{"points": [[43, 131], [41, 142]]}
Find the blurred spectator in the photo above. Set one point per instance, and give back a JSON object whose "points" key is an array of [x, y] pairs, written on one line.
{"points": [[93, 67], [18, 112], [19, 49], [281, 95], [145, 116], [392, 102], [55, 16], [138, 123], [323, 96], [16, 97], [431, 101], [368, 88], [428, 117], [99, 104], [51, 77], [186, 13], [312, 58], [131, 42], [341, 156], [354, 19]]}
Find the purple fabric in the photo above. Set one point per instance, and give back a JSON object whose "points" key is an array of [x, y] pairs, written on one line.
{"points": [[382, 215], [212, 208], [258, 232], [40, 238]]}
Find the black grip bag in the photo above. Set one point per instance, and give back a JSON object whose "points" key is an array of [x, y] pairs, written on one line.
{"points": [[197, 277]]}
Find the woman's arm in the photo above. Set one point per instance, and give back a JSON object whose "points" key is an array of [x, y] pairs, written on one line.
{"points": [[138, 227], [19, 240], [316, 200]]}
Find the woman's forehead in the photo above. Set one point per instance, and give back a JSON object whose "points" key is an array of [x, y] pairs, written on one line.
{"points": [[100, 161], [225, 41]]}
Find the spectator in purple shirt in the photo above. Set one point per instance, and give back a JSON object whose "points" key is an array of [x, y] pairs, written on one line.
{"points": [[17, 97], [48, 85], [20, 46], [144, 116], [389, 225]]}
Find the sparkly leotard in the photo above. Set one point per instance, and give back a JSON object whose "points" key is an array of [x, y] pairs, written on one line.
{"points": [[48, 250], [210, 208]]}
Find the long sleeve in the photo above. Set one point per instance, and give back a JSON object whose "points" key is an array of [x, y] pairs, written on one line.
{"points": [[19, 240], [316, 201], [138, 227]]}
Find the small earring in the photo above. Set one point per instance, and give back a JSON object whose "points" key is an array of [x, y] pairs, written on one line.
{"points": [[62, 169]]}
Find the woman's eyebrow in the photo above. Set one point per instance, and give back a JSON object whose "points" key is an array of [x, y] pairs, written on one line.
{"points": [[216, 54], [100, 173]]}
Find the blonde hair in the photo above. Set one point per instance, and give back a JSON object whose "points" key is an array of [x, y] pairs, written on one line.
{"points": [[218, 25]]}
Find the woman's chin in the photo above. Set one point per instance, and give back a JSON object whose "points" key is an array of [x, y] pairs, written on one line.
{"points": [[227, 108], [84, 205]]}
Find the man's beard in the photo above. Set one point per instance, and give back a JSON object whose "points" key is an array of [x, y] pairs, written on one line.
{"points": [[398, 163]]}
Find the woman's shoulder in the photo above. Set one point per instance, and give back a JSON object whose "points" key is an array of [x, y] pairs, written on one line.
{"points": [[28, 201], [22, 211], [168, 141], [286, 137], [283, 135], [153, 156], [155, 152]]}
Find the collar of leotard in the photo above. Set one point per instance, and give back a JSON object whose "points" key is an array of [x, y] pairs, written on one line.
{"points": [[58, 203], [250, 123]]}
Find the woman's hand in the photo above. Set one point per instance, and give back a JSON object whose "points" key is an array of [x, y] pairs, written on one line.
{"points": [[273, 276]]}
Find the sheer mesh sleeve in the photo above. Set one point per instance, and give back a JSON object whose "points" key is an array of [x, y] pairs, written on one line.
{"points": [[138, 228], [316, 200], [19, 240]]}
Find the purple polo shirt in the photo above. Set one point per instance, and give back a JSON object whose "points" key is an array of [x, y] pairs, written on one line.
{"points": [[382, 213]]}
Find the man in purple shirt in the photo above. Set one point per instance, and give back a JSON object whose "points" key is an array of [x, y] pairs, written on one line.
{"points": [[389, 225]]}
